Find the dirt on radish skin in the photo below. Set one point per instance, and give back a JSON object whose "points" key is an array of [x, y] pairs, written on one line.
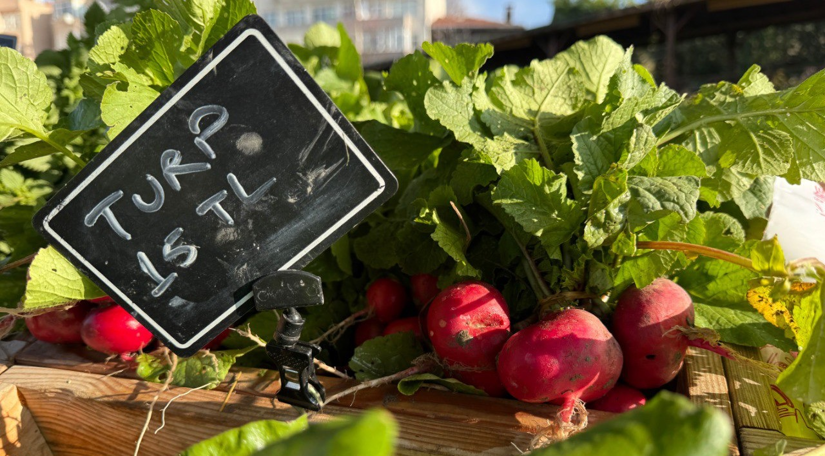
{"points": [[60, 326], [113, 331], [643, 323], [468, 323], [620, 399], [569, 355]]}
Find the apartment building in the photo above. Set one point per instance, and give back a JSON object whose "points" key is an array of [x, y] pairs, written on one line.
{"points": [[68, 19], [381, 29], [30, 22]]}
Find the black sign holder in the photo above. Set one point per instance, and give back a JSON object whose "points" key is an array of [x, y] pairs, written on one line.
{"points": [[295, 359]]}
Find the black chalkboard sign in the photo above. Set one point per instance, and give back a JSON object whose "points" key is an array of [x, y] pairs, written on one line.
{"points": [[8, 41], [241, 168]]}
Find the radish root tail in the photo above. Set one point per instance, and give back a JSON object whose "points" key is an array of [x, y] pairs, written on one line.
{"points": [[571, 419], [708, 339]]}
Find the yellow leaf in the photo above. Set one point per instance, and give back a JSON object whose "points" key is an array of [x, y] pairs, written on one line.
{"points": [[779, 312]]}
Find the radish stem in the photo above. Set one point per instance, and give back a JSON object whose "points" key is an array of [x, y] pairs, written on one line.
{"points": [[709, 252], [344, 324], [421, 368]]}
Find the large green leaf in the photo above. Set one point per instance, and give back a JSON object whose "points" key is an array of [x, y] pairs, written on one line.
{"points": [[802, 380], [653, 430], [595, 60], [411, 76], [451, 105], [121, 107], [653, 197], [777, 133], [385, 355], [247, 439], [53, 281], [398, 148], [740, 324], [537, 198], [607, 212], [155, 46], [24, 95], [768, 258], [460, 62], [372, 433]]}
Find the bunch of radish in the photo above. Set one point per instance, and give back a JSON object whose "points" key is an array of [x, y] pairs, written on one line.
{"points": [[570, 356], [387, 299], [101, 324]]}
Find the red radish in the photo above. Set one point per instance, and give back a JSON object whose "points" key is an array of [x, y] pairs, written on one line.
{"points": [[388, 298], [424, 288], [216, 342], [619, 400], [468, 324], [60, 326], [569, 355], [112, 330], [368, 329], [405, 324], [102, 300], [644, 323]]}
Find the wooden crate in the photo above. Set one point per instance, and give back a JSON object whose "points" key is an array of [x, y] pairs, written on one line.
{"points": [[57, 399], [743, 393]]}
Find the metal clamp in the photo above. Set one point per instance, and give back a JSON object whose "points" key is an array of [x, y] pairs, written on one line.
{"points": [[295, 359]]}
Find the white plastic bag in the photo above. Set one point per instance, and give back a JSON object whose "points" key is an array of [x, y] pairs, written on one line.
{"points": [[797, 217]]}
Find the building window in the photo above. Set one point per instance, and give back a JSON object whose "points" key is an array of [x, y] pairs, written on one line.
{"points": [[324, 14], [271, 19], [295, 17], [384, 40], [402, 8], [348, 10], [62, 8], [9, 22], [372, 9]]}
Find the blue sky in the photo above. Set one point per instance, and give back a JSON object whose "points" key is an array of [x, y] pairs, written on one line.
{"points": [[527, 13]]}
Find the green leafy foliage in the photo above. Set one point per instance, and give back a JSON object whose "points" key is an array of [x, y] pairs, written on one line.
{"points": [[247, 439], [461, 61], [53, 282], [24, 96], [372, 433], [739, 324], [803, 378], [385, 355], [652, 429], [409, 385], [538, 180], [203, 370]]}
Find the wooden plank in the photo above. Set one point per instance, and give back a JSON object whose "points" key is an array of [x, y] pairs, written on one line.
{"points": [[432, 423], [20, 435], [750, 392], [755, 439], [510, 414], [608, 25], [78, 358], [703, 381], [9, 349], [722, 5]]}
